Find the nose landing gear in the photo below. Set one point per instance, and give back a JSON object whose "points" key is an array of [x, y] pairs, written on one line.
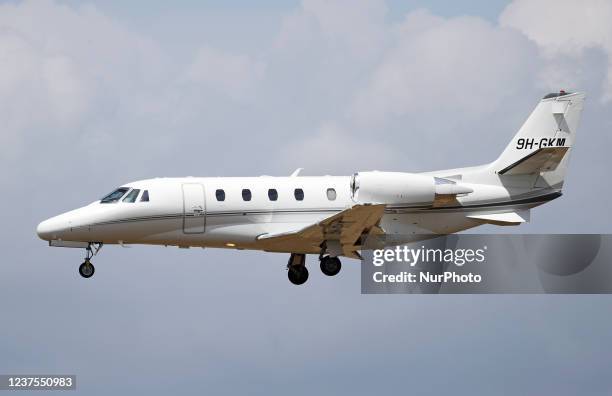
{"points": [[86, 270]]}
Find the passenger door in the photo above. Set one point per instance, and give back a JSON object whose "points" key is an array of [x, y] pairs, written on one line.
{"points": [[194, 208]]}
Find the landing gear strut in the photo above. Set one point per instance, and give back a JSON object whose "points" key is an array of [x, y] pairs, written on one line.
{"points": [[297, 271], [330, 266], [86, 270]]}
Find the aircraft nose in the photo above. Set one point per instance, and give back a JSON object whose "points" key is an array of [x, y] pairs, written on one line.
{"points": [[45, 230], [50, 228], [67, 226]]}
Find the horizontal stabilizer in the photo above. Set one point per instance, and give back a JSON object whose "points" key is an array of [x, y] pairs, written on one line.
{"points": [[503, 219], [543, 160]]}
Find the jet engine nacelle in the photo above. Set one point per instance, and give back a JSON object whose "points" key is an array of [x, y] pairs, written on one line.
{"points": [[393, 188]]}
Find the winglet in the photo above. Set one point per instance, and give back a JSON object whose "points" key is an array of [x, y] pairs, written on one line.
{"points": [[296, 172]]}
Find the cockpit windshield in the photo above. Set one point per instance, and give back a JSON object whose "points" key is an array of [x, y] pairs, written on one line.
{"points": [[131, 197], [115, 195]]}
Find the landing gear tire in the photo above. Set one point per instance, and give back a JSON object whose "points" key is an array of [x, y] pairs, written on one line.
{"points": [[298, 274], [87, 269], [330, 266]]}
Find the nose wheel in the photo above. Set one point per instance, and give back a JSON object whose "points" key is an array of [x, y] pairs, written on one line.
{"points": [[86, 270]]}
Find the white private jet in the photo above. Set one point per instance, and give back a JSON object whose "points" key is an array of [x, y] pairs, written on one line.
{"points": [[330, 215]]}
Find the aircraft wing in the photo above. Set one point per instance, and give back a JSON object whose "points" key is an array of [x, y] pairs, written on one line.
{"points": [[341, 232]]}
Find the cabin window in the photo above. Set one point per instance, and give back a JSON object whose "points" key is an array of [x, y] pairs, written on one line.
{"points": [[272, 194], [299, 194], [131, 197], [220, 194], [246, 194], [115, 195], [331, 194], [145, 196]]}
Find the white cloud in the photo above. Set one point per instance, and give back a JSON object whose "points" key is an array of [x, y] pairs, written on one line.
{"points": [[458, 67], [562, 26], [430, 77], [331, 146], [565, 29], [60, 68], [351, 27], [67, 88], [235, 75], [348, 72]]}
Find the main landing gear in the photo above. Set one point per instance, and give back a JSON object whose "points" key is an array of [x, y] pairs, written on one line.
{"points": [[330, 266], [296, 269], [87, 269], [298, 273]]}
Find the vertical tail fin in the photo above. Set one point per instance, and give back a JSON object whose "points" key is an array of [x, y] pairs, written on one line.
{"points": [[543, 143]]}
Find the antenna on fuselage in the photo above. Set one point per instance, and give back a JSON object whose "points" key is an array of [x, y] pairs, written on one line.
{"points": [[296, 172]]}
